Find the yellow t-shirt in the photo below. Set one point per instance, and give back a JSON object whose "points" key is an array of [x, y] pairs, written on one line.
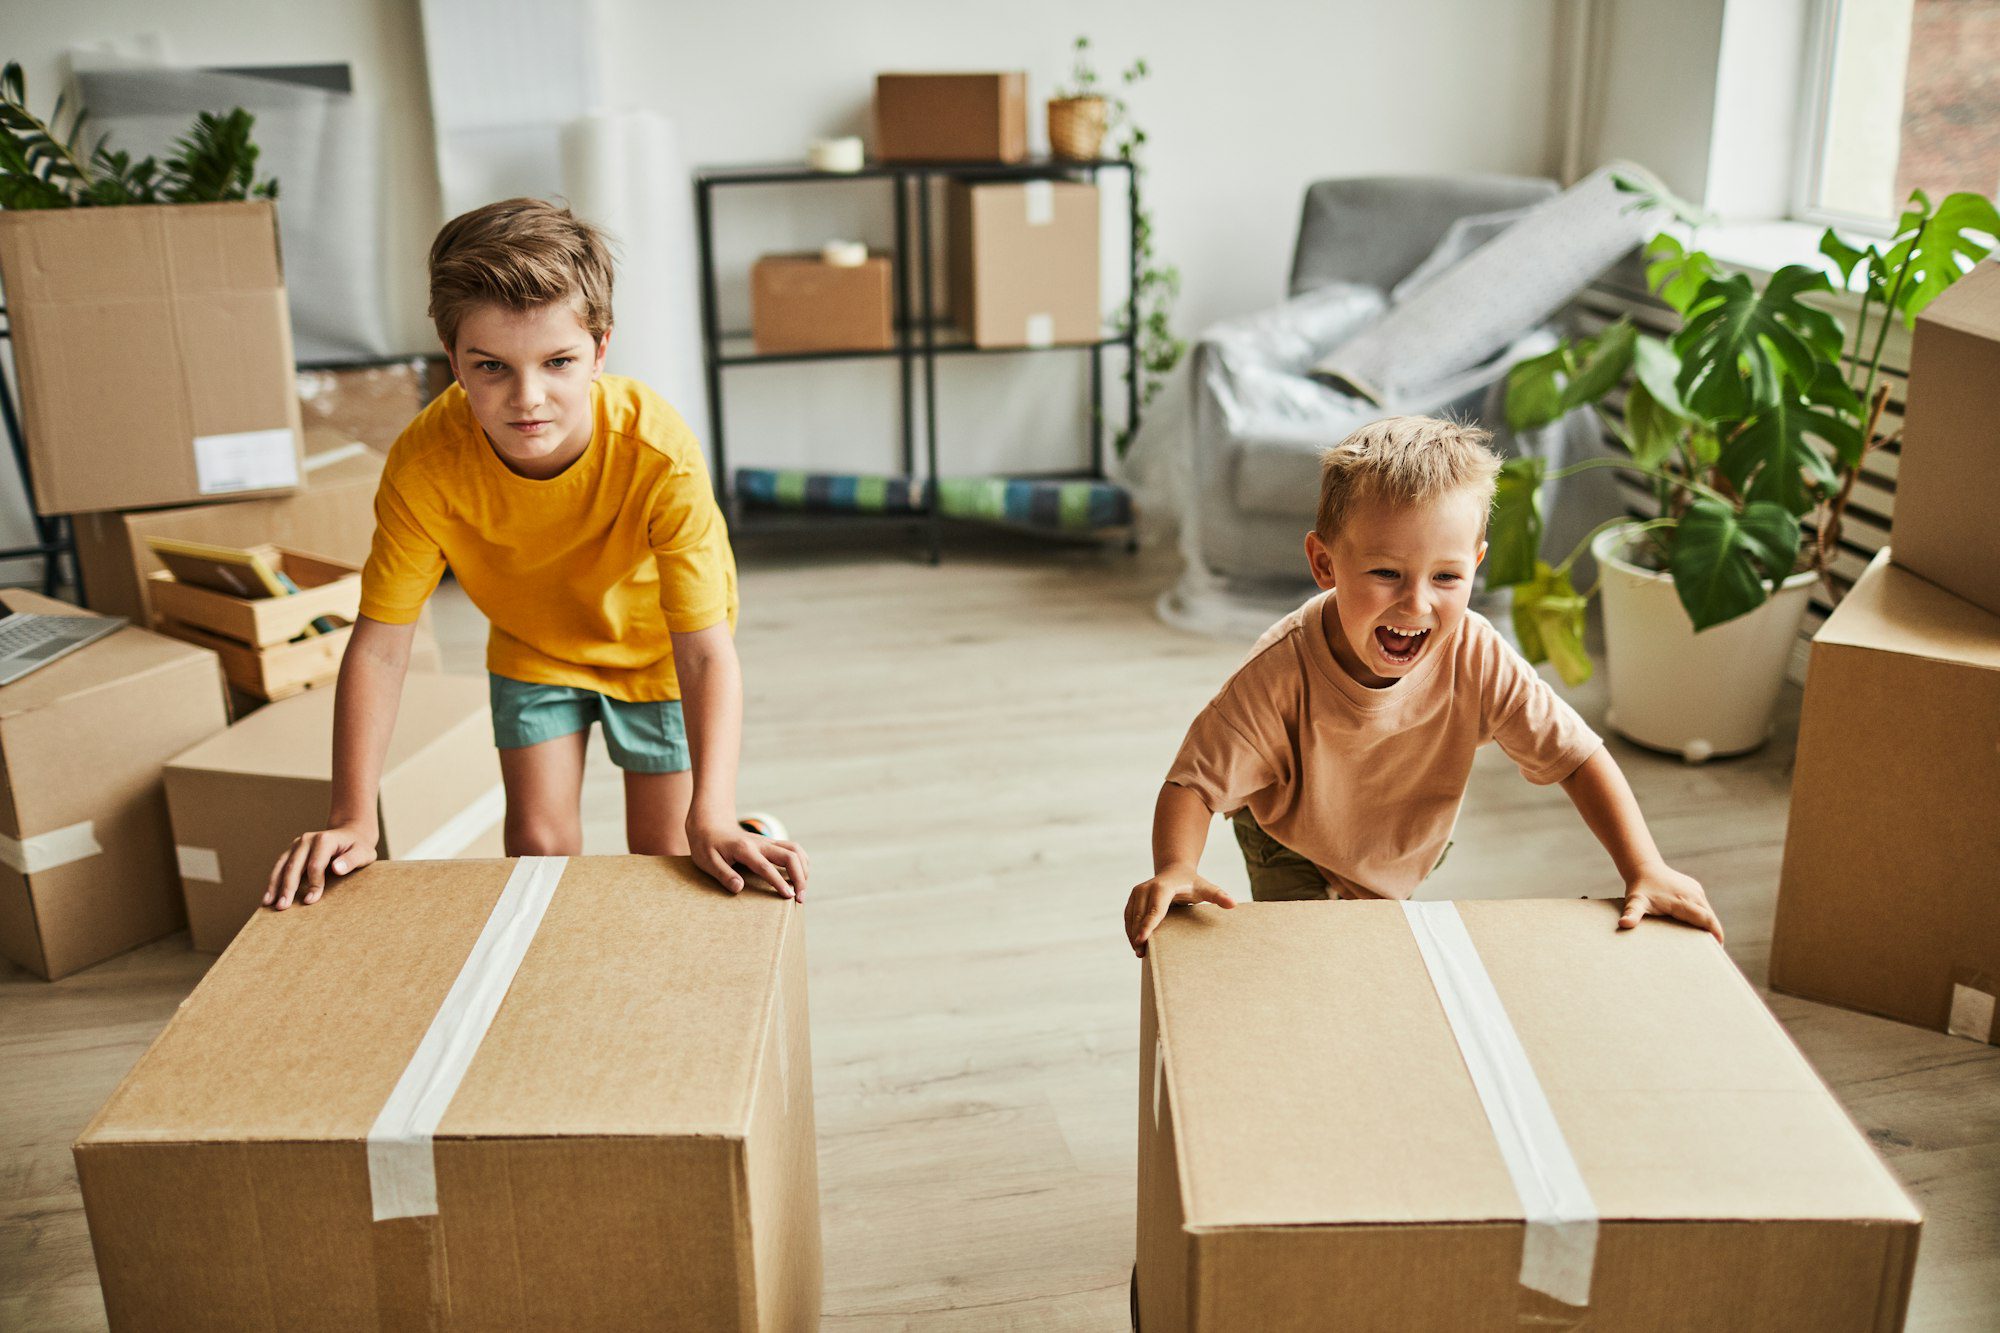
{"points": [[584, 576]]}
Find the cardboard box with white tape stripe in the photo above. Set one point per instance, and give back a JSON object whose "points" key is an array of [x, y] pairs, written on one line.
{"points": [[529, 1094], [239, 798], [1023, 259], [86, 856], [1443, 1116]]}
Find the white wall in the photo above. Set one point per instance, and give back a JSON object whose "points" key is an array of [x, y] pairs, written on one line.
{"points": [[1250, 101]]}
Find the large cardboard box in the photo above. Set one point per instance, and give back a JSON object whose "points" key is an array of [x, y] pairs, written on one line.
{"points": [[629, 1144], [1947, 520], [1023, 262], [951, 117], [1889, 900], [333, 516], [800, 303], [1314, 1152], [239, 798], [154, 345], [86, 856]]}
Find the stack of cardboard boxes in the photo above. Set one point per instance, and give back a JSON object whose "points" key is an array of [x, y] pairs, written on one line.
{"points": [[160, 400], [1889, 902]]}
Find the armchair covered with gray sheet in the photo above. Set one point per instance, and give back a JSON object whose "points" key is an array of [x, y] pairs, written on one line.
{"points": [[1259, 419]]}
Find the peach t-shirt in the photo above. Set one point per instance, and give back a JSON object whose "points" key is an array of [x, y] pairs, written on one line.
{"points": [[1367, 783]]}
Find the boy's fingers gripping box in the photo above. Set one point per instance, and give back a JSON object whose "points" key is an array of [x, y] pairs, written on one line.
{"points": [[545, 1093], [1451, 1116]]}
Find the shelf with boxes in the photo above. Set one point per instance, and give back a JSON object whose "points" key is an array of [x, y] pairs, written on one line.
{"points": [[1023, 241]]}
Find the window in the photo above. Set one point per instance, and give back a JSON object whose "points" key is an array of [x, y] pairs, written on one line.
{"points": [[1902, 95]]}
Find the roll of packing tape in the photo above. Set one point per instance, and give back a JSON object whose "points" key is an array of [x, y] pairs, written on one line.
{"points": [[835, 154], [844, 254]]}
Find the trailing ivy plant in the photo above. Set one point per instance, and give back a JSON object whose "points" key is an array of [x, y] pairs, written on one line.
{"points": [[45, 164], [1751, 422], [1158, 284]]}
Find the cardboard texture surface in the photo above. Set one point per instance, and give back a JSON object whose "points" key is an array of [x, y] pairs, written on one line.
{"points": [[333, 516], [1947, 519], [326, 588], [653, 1171], [1888, 900], [86, 855], [951, 117], [799, 303], [369, 404], [1313, 1154], [1023, 262], [187, 302], [239, 798]]}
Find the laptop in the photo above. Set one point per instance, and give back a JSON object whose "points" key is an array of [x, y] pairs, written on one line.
{"points": [[29, 640]]}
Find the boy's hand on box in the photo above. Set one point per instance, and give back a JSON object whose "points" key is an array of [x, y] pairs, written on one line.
{"points": [[1661, 890], [728, 851], [1149, 902], [301, 873]]}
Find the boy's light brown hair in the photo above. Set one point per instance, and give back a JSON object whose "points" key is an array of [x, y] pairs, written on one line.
{"points": [[520, 253], [1405, 461]]}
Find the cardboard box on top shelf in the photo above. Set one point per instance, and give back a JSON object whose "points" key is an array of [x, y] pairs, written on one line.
{"points": [[1887, 900], [1482, 1114], [800, 303], [332, 516], [951, 117], [86, 853], [239, 798], [154, 348], [367, 404], [1023, 262], [567, 1170]]}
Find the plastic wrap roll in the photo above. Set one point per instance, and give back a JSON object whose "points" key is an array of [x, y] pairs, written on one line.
{"points": [[623, 171]]}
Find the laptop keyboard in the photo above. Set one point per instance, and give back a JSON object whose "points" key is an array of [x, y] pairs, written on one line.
{"points": [[25, 635]]}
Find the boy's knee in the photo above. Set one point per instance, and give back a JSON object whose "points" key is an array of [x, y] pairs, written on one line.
{"points": [[543, 838]]}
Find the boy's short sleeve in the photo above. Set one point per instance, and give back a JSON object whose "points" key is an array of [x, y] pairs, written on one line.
{"points": [[1536, 727], [690, 544], [1221, 764], [404, 562]]}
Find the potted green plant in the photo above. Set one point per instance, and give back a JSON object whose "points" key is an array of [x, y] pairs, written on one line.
{"points": [[1751, 424]]}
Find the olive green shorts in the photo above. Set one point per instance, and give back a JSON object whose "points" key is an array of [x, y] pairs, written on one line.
{"points": [[1277, 873]]}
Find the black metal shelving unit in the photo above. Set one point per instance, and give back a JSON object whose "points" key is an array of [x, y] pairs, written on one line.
{"points": [[920, 342]]}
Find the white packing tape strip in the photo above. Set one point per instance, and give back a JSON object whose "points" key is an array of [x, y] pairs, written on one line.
{"points": [[1040, 200], [1972, 1012], [337, 454], [1159, 1075], [202, 863], [46, 851], [456, 834], [402, 1174], [1040, 331], [1560, 1249]]}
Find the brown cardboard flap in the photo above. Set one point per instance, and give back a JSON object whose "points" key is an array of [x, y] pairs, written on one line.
{"points": [[1317, 1027], [627, 1016], [1893, 610]]}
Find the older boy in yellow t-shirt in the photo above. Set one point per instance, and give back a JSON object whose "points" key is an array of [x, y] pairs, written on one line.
{"points": [[576, 513]]}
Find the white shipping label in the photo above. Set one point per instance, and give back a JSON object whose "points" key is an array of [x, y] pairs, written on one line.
{"points": [[199, 863], [1041, 331], [247, 460], [1041, 202], [1971, 1014]]}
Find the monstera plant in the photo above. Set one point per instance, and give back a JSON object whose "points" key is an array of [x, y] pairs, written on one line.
{"points": [[1750, 423]]}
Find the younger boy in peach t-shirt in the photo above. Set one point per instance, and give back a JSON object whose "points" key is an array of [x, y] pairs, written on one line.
{"points": [[1341, 749]]}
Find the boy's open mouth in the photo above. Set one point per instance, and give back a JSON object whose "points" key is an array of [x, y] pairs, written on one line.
{"points": [[1398, 647]]}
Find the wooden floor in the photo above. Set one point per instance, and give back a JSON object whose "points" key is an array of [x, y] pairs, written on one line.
{"points": [[970, 753]]}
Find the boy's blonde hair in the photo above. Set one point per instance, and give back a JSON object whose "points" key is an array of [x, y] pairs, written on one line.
{"points": [[1405, 461], [519, 253]]}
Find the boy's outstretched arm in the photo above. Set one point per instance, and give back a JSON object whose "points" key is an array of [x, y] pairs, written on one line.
{"points": [[1602, 796], [712, 704], [1180, 830], [364, 717]]}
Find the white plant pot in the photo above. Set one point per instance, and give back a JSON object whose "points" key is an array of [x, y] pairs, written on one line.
{"points": [[1702, 695]]}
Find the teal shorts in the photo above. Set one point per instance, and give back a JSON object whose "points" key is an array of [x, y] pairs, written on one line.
{"points": [[642, 738]]}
